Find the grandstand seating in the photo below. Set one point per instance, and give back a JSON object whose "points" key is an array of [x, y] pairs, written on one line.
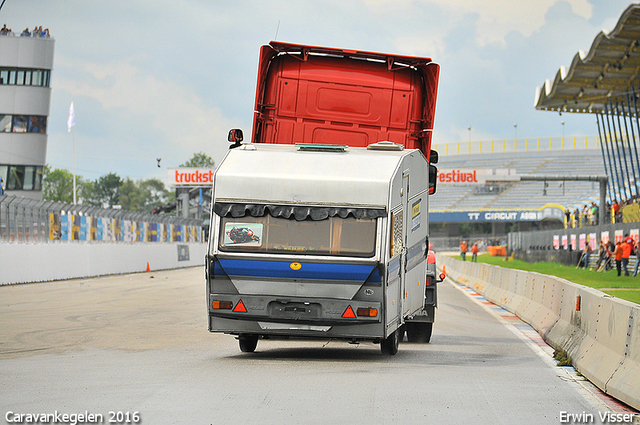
{"points": [[528, 194]]}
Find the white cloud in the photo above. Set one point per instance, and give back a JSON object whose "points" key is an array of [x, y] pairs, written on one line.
{"points": [[495, 18], [174, 112]]}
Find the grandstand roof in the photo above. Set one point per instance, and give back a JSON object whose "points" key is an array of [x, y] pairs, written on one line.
{"points": [[608, 71]]}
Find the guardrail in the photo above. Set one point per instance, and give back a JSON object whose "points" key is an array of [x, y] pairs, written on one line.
{"points": [[24, 220], [600, 333], [518, 145]]}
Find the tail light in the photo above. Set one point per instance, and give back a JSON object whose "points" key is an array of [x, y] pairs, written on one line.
{"points": [[367, 312], [221, 305]]}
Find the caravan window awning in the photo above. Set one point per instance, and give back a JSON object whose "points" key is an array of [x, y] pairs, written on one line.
{"points": [[224, 209]]}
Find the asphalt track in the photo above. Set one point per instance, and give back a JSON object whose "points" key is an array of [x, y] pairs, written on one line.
{"points": [[120, 345]]}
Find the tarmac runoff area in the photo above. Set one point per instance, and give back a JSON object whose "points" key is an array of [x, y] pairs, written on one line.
{"points": [[135, 348]]}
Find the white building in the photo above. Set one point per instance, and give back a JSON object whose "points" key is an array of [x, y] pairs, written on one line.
{"points": [[25, 97]]}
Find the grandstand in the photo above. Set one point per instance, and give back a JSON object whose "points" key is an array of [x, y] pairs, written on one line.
{"points": [[528, 204], [525, 194]]}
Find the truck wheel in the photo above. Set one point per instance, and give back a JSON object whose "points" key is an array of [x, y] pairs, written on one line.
{"points": [[248, 343], [419, 332], [402, 330], [390, 344], [427, 330]]}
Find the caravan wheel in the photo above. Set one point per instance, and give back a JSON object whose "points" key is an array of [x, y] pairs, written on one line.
{"points": [[248, 343]]}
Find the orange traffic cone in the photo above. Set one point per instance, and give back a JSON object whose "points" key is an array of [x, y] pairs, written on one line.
{"points": [[443, 274], [148, 268]]}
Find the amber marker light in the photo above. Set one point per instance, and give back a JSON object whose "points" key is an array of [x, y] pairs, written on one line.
{"points": [[221, 305], [367, 312]]}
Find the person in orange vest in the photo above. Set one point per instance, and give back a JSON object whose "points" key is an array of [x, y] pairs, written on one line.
{"points": [[637, 252], [463, 250], [627, 247], [617, 255], [474, 253]]}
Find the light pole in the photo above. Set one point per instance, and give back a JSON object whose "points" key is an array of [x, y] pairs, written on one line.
{"points": [[515, 125], [562, 122], [469, 128]]}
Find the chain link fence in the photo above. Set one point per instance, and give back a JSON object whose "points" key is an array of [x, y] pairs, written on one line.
{"points": [[452, 243], [25, 220]]}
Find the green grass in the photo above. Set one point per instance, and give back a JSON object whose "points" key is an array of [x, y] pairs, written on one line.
{"points": [[633, 296], [581, 276]]}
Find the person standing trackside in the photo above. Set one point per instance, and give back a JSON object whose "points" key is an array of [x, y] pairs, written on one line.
{"points": [[627, 247], [474, 253], [463, 250], [617, 255], [637, 251]]}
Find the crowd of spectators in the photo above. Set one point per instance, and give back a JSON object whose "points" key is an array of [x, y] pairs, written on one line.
{"points": [[36, 32], [612, 255], [588, 215]]}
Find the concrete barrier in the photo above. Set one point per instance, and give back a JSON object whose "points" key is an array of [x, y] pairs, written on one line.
{"points": [[601, 333], [21, 263]]}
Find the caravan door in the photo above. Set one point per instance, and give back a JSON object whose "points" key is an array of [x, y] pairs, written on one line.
{"points": [[395, 293]]}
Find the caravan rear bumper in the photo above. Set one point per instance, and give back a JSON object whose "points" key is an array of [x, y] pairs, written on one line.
{"points": [[268, 315]]}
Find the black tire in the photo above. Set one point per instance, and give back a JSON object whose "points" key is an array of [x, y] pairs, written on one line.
{"points": [[248, 343], [402, 331], [419, 332], [390, 344]]}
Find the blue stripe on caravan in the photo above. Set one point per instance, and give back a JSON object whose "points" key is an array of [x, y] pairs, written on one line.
{"points": [[283, 270]]}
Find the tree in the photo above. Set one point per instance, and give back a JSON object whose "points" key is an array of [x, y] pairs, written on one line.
{"points": [[199, 160], [131, 197], [57, 185], [156, 193], [143, 195], [106, 190]]}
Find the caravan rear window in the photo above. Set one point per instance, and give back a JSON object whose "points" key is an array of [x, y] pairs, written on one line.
{"points": [[333, 236]]}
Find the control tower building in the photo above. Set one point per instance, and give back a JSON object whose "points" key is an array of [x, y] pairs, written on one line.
{"points": [[26, 62]]}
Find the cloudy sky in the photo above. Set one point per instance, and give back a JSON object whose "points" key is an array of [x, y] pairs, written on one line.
{"points": [[164, 79]]}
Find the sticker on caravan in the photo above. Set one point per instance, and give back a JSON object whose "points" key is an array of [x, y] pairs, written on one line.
{"points": [[248, 234], [415, 215]]}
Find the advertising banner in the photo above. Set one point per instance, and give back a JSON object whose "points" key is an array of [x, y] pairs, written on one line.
{"points": [[475, 175], [190, 176], [486, 216]]}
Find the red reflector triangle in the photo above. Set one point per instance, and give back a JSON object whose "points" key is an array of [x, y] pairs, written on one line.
{"points": [[240, 308], [348, 313]]}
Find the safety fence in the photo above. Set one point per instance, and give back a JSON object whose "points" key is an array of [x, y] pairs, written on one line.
{"points": [[600, 333], [573, 239], [517, 145], [24, 220], [452, 243]]}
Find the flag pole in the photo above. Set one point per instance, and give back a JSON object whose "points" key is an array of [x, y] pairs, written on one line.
{"points": [[71, 122], [74, 165]]}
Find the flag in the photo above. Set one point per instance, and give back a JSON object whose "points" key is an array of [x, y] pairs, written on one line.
{"points": [[72, 118]]}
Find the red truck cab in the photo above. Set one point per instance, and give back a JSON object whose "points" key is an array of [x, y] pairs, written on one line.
{"points": [[309, 94]]}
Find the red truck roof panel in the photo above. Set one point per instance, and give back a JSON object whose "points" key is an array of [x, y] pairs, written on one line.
{"points": [[308, 94]]}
